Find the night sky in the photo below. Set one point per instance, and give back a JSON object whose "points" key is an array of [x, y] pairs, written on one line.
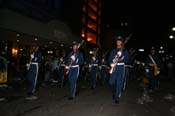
{"points": [[150, 23]]}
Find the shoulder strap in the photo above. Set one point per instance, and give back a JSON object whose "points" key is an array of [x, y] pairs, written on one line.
{"points": [[152, 59]]}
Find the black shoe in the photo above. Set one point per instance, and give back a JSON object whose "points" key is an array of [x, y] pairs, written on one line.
{"points": [[70, 98], [116, 102]]}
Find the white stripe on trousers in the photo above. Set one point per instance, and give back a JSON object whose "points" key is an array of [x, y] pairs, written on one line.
{"points": [[36, 77], [122, 82]]}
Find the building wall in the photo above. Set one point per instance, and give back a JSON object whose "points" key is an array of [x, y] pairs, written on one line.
{"points": [[91, 20]]}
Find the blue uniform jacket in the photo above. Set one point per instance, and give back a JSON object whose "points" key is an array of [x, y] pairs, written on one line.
{"points": [[149, 61], [91, 61], [103, 61], [37, 57], [123, 59], [78, 58]]}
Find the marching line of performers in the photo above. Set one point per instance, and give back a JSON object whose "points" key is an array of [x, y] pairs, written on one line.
{"points": [[116, 66]]}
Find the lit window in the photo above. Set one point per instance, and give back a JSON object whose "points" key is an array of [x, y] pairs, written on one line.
{"points": [[92, 15], [91, 37], [83, 32], [83, 35], [92, 26], [93, 6]]}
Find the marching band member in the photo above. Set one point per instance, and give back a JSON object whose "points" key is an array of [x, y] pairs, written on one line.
{"points": [[117, 59], [76, 59], [103, 68], [33, 68], [152, 68], [93, 65], [61, 67]]}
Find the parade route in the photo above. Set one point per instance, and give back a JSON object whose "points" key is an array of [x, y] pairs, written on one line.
{"points": [[53, 102]]}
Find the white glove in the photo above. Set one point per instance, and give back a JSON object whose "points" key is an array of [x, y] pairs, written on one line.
{"points": [[103, 60], [73, 57], [32, 56], [147, 70], [112, 65], [93, 58], [158, 72], [66, 67], [119, 53], [61, 59], [137, 62], [114, 60]]}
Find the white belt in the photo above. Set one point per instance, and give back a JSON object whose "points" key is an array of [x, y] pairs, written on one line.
{"points": [[94, 64], [74, 66], [103, 65], [119, 64], [63, 65], [128, 66], [34, 62]]}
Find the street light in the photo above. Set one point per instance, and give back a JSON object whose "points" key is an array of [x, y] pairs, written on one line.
{"points": [[173, 28], [171, 36]]}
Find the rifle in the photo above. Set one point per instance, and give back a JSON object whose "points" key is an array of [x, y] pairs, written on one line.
{"points": [[67, 68], [117, 56], [156, 70]]}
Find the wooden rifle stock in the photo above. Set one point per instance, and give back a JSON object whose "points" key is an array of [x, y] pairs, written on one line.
{"points": [[67, 67], [116, 58]]}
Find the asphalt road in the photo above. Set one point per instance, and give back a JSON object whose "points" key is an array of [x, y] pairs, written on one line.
{"points": [[53, 102]]}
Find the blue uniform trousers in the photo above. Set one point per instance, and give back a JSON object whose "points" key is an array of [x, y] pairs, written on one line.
{"points": [[126, 77], [86, 71], [116, 81], [94, 75], [103, 74], [32, 78], [72, 77], [152, 81]]}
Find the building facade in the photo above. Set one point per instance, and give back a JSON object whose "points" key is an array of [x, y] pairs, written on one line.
{"points": [[91, 21]]}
